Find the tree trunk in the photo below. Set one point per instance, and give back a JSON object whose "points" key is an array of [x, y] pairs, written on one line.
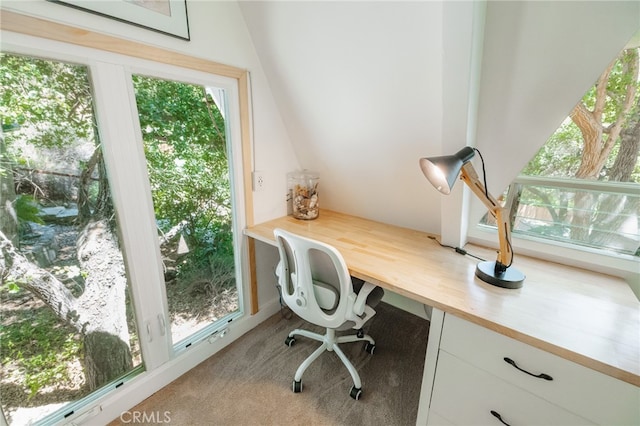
{"points": [[595, 150], [99, 313], [84, 207], [103, 302], [616, 209], [106, 358], [629, 147], [104, 203], [599, 139], [597, 147]]}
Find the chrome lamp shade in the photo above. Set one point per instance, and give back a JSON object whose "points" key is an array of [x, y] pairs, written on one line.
{"points": [[443, 171]]}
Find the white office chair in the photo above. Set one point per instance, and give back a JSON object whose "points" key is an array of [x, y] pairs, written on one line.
{"points": [[315, 283]]}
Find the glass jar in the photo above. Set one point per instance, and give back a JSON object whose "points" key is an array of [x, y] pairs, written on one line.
{"points": [[303, 193]]}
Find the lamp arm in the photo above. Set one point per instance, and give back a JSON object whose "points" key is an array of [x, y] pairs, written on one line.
{"points": [[469, 175]]}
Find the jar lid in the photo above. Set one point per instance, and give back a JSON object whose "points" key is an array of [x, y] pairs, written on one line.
{"points": [[303, 174]]}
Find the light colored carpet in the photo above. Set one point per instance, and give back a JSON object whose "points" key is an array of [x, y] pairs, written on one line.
{"points": [[249, 382]]}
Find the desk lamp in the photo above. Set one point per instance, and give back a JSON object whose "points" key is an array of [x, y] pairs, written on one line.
{"points": [[442, 172]]}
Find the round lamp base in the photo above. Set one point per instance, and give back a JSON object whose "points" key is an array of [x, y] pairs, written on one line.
{"points": [[511, 278]]}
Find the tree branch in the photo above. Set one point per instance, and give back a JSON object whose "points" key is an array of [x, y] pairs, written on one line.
{"points": [[631, 67], [601, 91], [15, 267]]}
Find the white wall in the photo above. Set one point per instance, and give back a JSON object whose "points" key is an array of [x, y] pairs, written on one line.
{"points": [[360, 90], [359, 87], [218, 33]]}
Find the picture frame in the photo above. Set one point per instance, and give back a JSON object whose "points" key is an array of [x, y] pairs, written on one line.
{"points": [[164, 16]]}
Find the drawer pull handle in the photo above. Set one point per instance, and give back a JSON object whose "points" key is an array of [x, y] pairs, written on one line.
{"points": [[539, 376], [499, 417]]}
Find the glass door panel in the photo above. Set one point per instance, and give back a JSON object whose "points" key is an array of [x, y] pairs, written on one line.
{"points": [[185, 144], [67, 324]]}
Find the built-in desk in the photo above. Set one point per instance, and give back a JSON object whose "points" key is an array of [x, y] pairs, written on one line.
{"points": [[589, 319]]}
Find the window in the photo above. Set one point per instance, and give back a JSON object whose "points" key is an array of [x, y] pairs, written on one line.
{"points": [[583, 187], [185, 144], [111, 126]]}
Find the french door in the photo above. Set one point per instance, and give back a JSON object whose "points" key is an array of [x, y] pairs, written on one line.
{"points": [[140, 203]]}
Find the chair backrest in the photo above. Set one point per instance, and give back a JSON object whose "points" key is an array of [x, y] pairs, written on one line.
{"points": [[314, 280]]}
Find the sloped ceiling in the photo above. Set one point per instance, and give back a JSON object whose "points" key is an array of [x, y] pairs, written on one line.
{"points": [[358, 87], [367, 88]]}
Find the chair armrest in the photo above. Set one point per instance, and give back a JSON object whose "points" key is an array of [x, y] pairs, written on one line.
{"points": [[361, 300], [278, 270]]}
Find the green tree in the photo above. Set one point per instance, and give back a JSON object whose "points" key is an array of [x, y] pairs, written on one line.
{"points": [[600, 140], [589, 144], [185, 147]]}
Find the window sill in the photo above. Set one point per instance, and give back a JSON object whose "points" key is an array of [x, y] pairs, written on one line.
{"points": [[619, 265]]}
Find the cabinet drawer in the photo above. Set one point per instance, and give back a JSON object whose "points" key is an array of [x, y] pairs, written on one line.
{"points": [[466, 395], [595, 396]]}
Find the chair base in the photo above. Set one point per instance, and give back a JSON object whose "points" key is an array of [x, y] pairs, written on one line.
{"points": [[330, 343]]}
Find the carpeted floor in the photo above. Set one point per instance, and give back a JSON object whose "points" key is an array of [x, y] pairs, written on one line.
{"points": [[249, 382]]}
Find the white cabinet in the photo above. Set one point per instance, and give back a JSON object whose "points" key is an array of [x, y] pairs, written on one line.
{"points": [[482, 377]]}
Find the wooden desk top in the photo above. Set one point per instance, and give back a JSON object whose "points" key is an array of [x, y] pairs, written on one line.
{"points": [[583, 316]]}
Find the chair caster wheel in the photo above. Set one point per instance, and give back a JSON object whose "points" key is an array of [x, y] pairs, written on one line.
{"points": [[355, 393], [297, 386], [289, 341], [369, 347]]}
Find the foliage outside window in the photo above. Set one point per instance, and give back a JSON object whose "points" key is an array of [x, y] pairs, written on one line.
{"points": [[185, 144], [583, 186]]}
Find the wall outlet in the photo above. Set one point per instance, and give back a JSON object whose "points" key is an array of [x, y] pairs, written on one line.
{"points": [[258, 181]]}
